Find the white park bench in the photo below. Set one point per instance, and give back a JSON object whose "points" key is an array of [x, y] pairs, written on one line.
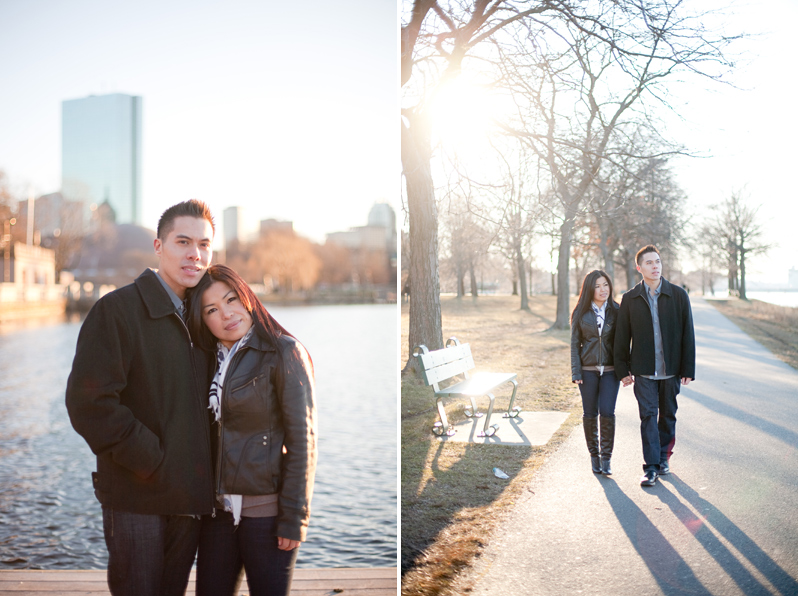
{"points": [[441, 365]]}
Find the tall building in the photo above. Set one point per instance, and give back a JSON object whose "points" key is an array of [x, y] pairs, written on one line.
{"points": [[101, 153], [233, 225]]}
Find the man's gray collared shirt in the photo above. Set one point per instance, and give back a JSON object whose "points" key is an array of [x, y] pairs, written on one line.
{"points": [[180, 306], [659, 352]]}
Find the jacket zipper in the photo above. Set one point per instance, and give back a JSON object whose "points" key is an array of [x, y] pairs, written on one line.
{"points": [[204, 418], [225, 391], [601, 347]]}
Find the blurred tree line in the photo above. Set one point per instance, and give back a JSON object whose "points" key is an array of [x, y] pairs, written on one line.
{"points": [[279, 260], [285, 262]]}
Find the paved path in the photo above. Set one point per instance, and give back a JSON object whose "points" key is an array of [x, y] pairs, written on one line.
{"points": [[724, 523]]}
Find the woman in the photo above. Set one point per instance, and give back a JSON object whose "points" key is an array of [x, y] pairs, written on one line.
{"points": [[263, 439], [592, 337]]}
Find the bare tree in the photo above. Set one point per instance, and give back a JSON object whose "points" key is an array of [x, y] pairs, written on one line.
{"points": [[587, 94], [467, 241], [738, 230], [436, 38]]}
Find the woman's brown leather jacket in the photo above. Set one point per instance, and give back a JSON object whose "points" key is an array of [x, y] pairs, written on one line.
{"points": [[266, 442]]}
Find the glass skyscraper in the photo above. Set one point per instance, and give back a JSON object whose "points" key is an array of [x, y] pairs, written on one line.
{"points": [[101, 153]]}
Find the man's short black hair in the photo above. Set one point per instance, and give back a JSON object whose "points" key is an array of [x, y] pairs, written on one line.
{"points": [[646, 249], [191, 208]]}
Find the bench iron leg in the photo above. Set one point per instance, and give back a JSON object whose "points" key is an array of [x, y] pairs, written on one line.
{"points": [[472, 411], [442, 428], [489, 430], [513, 412]]}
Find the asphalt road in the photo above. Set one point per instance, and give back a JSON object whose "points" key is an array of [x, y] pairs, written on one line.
{"points": [[724, 522]]}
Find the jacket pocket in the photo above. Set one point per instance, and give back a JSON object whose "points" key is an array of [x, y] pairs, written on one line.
{"points": [[254, 472], [251, 395]]}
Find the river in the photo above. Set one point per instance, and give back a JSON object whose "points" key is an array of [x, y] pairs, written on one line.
{"points": [[50, 519]]}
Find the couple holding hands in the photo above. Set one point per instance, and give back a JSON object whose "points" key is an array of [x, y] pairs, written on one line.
{"points": [[648, 340]]}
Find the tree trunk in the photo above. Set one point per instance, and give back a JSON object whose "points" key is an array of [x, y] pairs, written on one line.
{"points": [[460, 274], [531, 280], [608, 257], [521, 267], [425, 294], [563, 295], [563, 278], [631, 272], [474, 290], [742, 274]]}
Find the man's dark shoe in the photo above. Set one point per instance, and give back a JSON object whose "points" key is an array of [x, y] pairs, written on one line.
{"points": [[664, 468], [595, 463], [605, 466], [649, 478]]}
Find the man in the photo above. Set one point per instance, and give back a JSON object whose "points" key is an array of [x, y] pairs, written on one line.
{"points": [[655, 318], [138, 395]]}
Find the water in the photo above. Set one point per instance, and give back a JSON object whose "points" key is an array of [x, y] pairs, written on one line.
{"points": [[780, 298], [50, 519]]}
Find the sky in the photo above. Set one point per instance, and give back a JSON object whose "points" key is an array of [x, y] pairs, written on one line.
{"points": [[747, 132], [287, 109]]}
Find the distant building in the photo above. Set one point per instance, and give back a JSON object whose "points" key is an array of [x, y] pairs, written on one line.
{"points": [[372, 247], [379, 234], [27, 265], [53, 215], [275, 225], [233, 225], [793, 277], [101, 153]]}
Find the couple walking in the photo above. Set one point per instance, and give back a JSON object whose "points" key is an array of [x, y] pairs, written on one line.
{"points": [[200, 409], [647, 341]]}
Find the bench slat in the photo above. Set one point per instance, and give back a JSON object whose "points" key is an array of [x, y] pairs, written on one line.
{"points": [[441, 365], [479, 384], [447, 371], [445, 355]]}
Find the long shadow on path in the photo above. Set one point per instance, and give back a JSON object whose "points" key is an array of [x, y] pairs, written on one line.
{"points": [[777, 576], [781, 433], [671, 571]]}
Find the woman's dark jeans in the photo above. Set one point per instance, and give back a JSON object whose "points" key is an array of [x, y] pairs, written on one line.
{"points": [[224, 549], [599, 393]]}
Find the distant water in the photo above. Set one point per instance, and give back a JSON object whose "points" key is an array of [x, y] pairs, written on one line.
{"points": [[780, 298], [50, 519]]}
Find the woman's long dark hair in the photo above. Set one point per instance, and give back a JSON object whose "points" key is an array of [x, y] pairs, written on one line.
{"points": [[588, 290], [265, 324]]}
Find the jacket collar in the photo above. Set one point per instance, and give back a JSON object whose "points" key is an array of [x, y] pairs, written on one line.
{"points": [[640, 289], [256, 342], [155, 297]]}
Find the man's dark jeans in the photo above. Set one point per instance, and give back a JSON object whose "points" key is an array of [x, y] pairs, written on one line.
{"points": [[656, 400], [225, 548], [149, 555]]}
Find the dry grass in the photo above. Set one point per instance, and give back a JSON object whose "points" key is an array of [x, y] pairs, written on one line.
{"points": [[450, 499], [775, 327]]}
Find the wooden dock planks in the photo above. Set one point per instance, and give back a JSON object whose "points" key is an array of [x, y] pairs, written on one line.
{"points": [[371, 581]]}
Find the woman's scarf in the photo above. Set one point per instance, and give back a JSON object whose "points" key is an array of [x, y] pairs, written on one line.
{"points": [[224, 355]]}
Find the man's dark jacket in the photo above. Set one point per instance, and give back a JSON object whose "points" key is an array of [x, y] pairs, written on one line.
{"points": [[636, 327], [138, 393]]}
